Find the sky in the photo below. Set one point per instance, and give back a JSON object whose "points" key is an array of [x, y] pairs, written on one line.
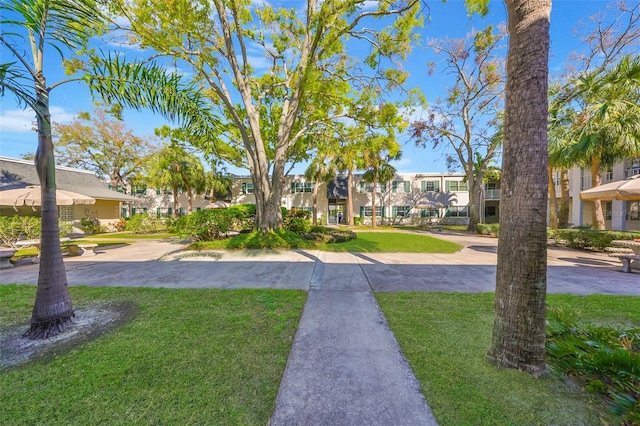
{"points": [[447, 20]]}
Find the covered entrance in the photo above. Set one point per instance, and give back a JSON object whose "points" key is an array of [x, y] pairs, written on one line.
{"points": [[337, 196]]}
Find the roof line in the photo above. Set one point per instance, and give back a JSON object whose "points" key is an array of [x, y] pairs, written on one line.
{"points": [[30, 163]]}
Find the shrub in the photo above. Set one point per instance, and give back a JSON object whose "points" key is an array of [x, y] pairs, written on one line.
{"points": [[14, 228], [245, 217], [488, 228], [358, 220], [324, 235], [281, 238], [209, 225], [144, 224], [120, 225], [605, 360], [580, 238], [297, 220], [90, 225]]}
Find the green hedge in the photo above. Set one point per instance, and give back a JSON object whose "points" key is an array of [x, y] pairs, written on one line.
{"points": [[583, 238], [14, 228]]}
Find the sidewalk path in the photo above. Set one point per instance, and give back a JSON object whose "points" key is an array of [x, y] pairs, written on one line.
{"points": [[345, 366]]}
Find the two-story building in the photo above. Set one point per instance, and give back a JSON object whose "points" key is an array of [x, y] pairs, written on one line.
{"points": [[619, 215]]}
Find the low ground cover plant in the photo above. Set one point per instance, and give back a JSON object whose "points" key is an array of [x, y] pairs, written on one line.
{"points": [[603, 359]]}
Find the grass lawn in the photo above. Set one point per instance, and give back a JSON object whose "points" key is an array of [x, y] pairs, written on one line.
{"points": [[189, 357], [445, 337], [392, 242]]}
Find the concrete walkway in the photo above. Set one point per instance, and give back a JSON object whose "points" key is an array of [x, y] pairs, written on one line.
{"points": [[345, 366]]}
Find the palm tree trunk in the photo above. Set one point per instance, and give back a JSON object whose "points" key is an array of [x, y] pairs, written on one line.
{"points": [[565, 199], [52, 309], [553, 203], [597, 215], [518, 337], [316, 185], [350, 197]]}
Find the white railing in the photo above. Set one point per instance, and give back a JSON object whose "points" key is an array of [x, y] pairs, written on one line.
{"points": [[491, 194]]}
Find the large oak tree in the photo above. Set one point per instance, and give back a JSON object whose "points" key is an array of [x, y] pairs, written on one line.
{"points": [[292, 66]]}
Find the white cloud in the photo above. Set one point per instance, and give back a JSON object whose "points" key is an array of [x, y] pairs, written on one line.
{"points": [[17, 120], [24, 121]]}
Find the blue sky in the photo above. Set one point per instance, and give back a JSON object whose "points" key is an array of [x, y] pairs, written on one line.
{"points": [[447, 20]]}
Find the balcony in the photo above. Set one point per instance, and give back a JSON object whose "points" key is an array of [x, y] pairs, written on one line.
{"points": [[491, 194]]}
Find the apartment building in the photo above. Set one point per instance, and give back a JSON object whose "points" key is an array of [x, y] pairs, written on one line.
{"points": [[408, 198], [619, 215]]}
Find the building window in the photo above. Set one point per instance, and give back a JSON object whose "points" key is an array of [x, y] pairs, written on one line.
{"points": [[66, 213], [430, 185], [429, 213], [301, 187], [139, 189], [365, 211], [633, 210], [400, 211], [368, 188], [457, 211], [247, 188], [306, 209], [455, 186], [403, 186]]}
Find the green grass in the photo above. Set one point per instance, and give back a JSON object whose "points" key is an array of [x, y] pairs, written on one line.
{"points": [[445, 338], [392, 242], [190, 357]]}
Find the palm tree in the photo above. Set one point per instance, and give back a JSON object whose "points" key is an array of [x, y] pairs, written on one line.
{"points": [[64, 25], [518, 338], [348, 162], [321, 169], [607, 128], [378, 151], [178, 169]]}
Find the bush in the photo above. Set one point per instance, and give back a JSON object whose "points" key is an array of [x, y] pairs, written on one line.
{"points": [[580, 238], [245, 217], [144, 224], [90, 225], [324, 235], [210, 225], [14, 228], [605, 360], [358, 220], [488, 228], [280, 239], [120, 225]]}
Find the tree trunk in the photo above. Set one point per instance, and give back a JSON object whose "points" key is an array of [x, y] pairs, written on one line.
{"points": [[315, 202], [518, 338], [597, 215], [175, 201], [350, 197], [553, 203], [373, 204], [268, 200], [52, 308], [565, 199], [475, 204]]}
